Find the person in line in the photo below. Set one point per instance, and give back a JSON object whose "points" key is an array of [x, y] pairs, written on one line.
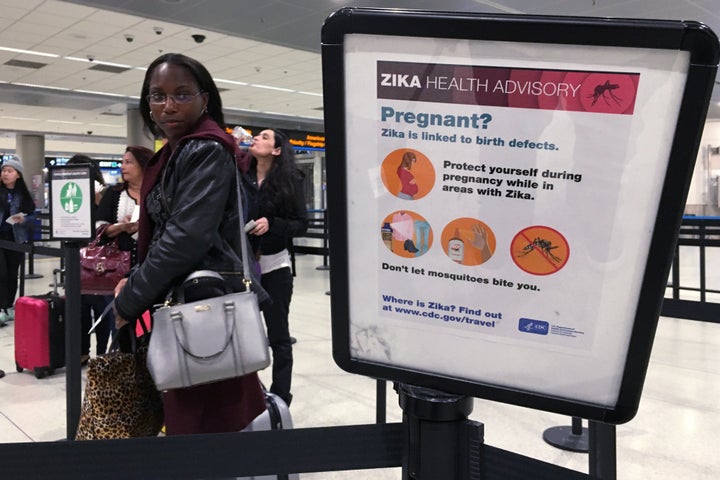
{"points": [[408, 185], [99, 180], [119, 209], [91, 306], [276, 199], [117, 216], [17, 206], [189, 221]]}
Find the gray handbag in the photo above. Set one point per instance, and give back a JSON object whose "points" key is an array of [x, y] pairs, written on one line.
{"points": [[208, 340]]}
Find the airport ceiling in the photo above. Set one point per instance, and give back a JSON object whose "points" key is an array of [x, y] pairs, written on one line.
{"points": [[265, 55]]}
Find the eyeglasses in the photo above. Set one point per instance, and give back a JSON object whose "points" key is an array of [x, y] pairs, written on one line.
{"points": [[178, 98]]}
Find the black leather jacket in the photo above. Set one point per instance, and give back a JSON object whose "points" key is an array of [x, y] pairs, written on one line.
{"points": [[195, 227], [282, 227]]}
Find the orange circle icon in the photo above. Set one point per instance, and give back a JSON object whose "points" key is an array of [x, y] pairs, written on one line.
{"points": [[407, 174], [407, 234], [468, 241], [539, 250]]}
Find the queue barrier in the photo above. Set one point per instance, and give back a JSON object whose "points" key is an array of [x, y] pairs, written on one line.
{"points": [[39, 231], [317, 230], [692, 297]]}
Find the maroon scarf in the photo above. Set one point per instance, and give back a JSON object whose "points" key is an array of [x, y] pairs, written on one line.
{"points": [[206, 128]]}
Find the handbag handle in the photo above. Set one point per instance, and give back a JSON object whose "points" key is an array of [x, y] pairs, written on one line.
{"points": [[114, 344], [99, 236]]}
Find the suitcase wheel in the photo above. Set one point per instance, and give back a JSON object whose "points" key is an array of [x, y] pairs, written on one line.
{"points": [[42, 372], [18, 367]]}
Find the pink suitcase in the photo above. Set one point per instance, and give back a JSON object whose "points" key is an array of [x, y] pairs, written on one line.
{"points": [[40, 334]]}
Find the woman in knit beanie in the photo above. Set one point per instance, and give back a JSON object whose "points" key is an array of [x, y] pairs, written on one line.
{"points": [[16, 204]]}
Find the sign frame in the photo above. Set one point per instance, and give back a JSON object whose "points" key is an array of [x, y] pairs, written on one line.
{"points": [[692, 37], [83, 227]]}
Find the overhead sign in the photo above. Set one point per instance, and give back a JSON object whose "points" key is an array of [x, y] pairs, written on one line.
{"points": [[485, 230], [71, 199], [301, 140]]}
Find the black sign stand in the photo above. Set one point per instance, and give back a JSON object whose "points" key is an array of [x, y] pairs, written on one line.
{"points": [[72, 337], [440, 441], [603, 451]]}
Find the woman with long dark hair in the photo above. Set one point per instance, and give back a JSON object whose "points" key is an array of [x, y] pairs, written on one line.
{"points": [[189, 221], [16, 203], [116, 215], [277, 205], [118, 211]]}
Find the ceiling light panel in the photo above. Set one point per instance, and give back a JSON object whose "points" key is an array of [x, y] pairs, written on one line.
{"points": [[24, 64], [102, 67]]}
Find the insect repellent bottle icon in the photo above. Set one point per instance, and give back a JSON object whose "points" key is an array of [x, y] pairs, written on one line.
{"points": [[456, 248], [386, 232]]}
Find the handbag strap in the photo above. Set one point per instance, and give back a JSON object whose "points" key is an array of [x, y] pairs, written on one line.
{"points": [[114, 343], [243, 236], [102, 315]]}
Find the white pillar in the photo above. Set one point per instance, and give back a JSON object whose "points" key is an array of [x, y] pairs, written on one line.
{"points": [[31, 150], [136, 134]]}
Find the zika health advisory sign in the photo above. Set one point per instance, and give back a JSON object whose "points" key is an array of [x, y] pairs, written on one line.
{"points": [[501, 201]]}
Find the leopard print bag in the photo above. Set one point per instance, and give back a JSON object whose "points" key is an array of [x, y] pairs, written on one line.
{"points": [[121, 400]]}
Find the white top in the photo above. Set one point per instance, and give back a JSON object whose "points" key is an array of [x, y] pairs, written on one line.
{"points": [[276, 261]]}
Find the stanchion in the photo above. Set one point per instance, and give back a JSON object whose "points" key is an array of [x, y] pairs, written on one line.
{"points": [[21, 280], [381, 401], [326, 246], [73, 379], [603, 451], [440, 442], [574, 438]]}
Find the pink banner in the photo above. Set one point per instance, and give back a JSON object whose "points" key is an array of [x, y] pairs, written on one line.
{"points": [[578, 91]]}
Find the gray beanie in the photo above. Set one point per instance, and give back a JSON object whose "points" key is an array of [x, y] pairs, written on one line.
{"points": [[15, 163]]}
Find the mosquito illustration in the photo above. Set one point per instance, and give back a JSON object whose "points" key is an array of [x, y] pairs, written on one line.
{"points": [[543, 245], [604, 91]]}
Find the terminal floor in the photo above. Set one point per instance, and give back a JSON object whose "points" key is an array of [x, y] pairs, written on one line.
{"points": [[675, 434]]}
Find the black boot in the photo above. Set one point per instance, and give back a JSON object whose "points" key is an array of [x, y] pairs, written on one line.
{"points": [[410, 246]]}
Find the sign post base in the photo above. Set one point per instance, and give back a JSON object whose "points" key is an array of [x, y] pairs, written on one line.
{"points": [[440, 441]]}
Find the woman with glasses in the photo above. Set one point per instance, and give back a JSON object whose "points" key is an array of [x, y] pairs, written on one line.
{"points": [[189, 221], [16, 204]]}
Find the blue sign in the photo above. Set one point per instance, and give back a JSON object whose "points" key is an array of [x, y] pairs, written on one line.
{"points": [[538, 327]]}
